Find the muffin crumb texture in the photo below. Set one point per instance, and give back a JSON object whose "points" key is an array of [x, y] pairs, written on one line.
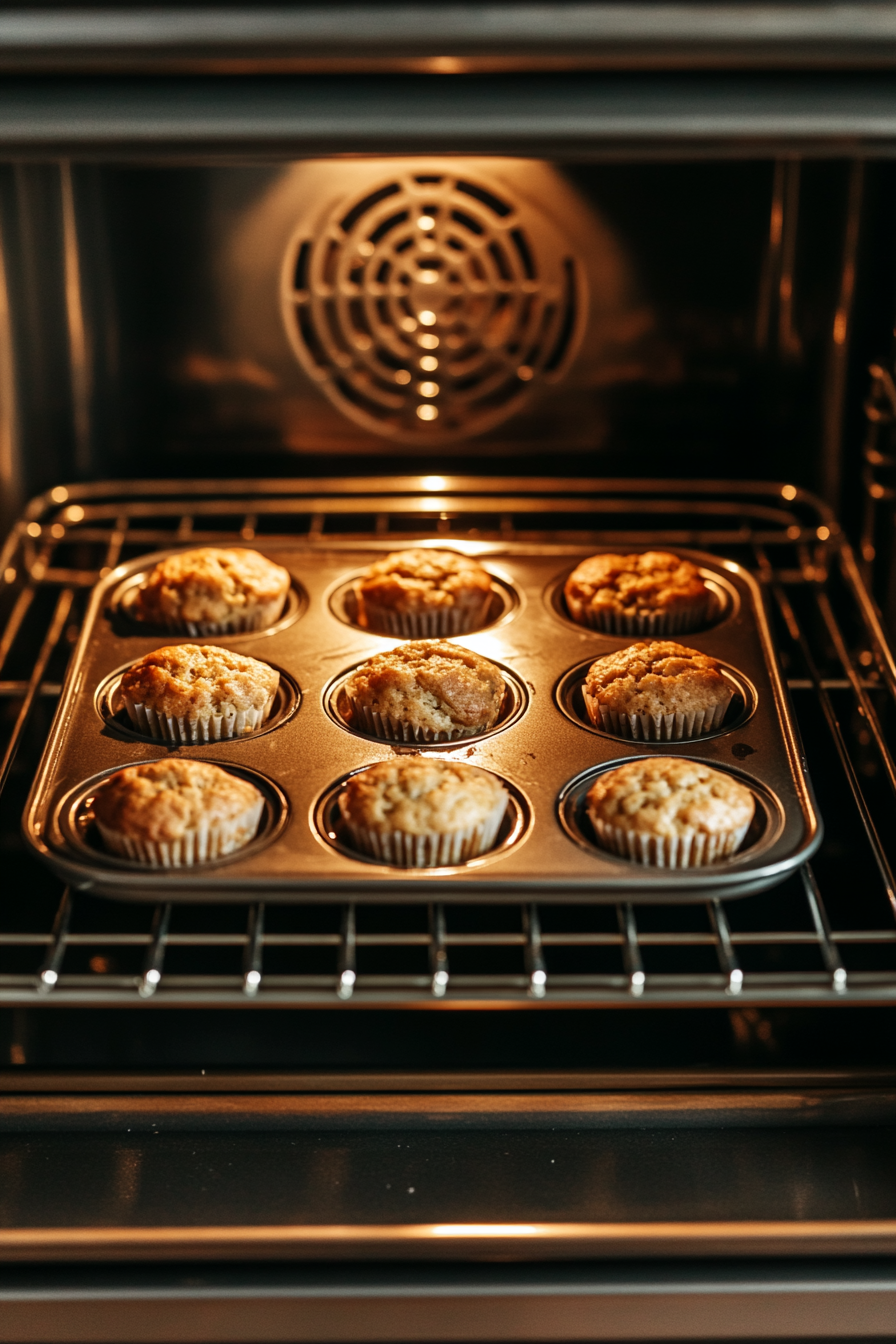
{"points": [[435, 689], [659, 677], [213, 586], [192, 681], [420, 796], [651, 592], [669, 797], [163, 801], [421, 580]]}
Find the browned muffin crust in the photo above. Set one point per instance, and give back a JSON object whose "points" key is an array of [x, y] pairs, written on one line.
{"points": [[418, 796], [161, 801], [432, 684], [632, 585], [657, 677], [210, 585], [193, 680], [668, 796], [420, 580]]}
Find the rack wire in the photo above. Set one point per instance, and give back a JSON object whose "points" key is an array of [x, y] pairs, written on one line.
{"points": [[826, 935]]}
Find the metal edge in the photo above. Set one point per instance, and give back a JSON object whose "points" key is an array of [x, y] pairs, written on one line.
{"points": [[447, 1241]]}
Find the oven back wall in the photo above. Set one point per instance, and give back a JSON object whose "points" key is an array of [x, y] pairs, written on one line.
{"points": [[675, 319]]}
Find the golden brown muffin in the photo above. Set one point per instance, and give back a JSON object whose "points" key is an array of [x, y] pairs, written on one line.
{"points": [[646, 593], [212, 591], [198, 693], [174, 813], [426, 691], [421, 813], [421, 593], [670, 812], [657, 691]]}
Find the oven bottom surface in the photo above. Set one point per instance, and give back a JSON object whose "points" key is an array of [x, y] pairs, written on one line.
{"points": [[641, 1300]]}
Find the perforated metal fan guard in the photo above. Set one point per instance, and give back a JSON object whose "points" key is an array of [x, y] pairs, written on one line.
{"points": [[430, 303]]}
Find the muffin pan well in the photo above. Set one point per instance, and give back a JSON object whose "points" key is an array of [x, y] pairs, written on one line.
{"points": [[570, 701], [543, 749], [111, 710], [513, 706]]}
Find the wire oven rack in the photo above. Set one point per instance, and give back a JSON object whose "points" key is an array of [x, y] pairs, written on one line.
{"points": [[826, 935]]}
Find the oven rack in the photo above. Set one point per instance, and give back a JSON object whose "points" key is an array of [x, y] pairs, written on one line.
{"points": [[828, 935]]}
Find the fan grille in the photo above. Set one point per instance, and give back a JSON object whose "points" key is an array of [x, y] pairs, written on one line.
{"points": [[431, 307]]}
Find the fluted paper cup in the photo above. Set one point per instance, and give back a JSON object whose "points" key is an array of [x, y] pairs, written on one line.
{"points": [[199, 845], [432, 850], [259, 618], [657, 727], [439, 624], [368, 720], [230, 722], [648, 624], [694, 849]]}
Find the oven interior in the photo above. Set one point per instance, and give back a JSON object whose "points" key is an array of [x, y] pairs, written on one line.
{"points": [[646, 353]]}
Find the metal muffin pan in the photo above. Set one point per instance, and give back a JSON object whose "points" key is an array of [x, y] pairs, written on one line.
{"points": [[541, 747]]}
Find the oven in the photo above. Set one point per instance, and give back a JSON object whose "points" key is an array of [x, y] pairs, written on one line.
{"points": [[503, 279]]}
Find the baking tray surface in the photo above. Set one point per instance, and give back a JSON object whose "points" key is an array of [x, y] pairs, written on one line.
{"points": [[541, 747]]}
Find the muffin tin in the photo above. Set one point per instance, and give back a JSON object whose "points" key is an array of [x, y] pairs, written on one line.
{"points": [[543, 746]]}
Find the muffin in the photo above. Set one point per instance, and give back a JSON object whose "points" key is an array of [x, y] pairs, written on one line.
{"points": [[657, 692], [420, 813], [647, 593], [174, 813], [425, 691], [670, 812], [423, 594], [212, 591], [198, 693]]}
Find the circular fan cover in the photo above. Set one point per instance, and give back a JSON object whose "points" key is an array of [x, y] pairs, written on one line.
{"points": [[432, 306]]}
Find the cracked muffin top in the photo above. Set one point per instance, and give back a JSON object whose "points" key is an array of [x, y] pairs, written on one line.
{"points": [[423, 580], [657, 677], [164, 800], [210, 584], [634, 585], [432, 684], [669, 796], [194, 680], [420, 796]]}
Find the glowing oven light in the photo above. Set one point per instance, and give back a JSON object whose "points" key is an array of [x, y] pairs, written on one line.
{"points": [[427, 318], [427, 411]]}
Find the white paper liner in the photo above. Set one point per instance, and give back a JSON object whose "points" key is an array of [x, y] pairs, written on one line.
{"points": [[239, 623], [440, 624], [231, 722], [404, 850], [656, 727], [204, 843], [694, 849], [368, 720], [654, 624]]}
